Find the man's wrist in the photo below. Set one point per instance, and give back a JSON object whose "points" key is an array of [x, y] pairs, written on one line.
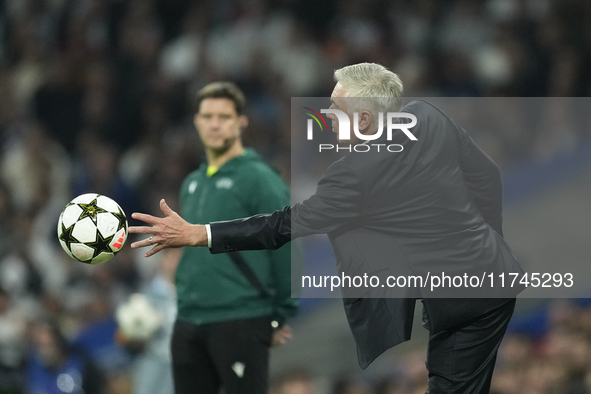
{"points": [[200, 236]]}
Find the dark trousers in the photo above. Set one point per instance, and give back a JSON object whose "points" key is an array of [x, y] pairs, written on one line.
{"points": [[233, 355], [462, 359]]}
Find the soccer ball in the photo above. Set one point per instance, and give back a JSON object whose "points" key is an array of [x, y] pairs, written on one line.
{"points": [[92, 228], [137, 318]]}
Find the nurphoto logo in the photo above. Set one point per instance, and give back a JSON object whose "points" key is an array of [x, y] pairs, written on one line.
{"points": [[344, 133]]}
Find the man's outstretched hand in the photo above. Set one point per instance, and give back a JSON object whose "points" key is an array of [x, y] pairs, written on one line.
{"points": [[171, 231]]}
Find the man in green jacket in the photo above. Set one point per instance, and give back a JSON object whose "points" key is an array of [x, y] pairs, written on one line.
{"points": [[231, 307]]}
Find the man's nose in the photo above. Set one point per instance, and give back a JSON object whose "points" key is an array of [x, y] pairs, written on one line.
{"points": [[215, 123]]}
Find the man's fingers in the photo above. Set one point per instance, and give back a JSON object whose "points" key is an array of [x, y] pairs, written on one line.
{"points": [[154, 250], [143, 243], [149, 242], [285, 336], [165, 208], [281, 336], [141, 230], [286, 331], [159, 230], [144, 217]]}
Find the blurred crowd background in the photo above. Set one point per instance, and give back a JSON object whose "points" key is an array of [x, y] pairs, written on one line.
{"points": [[96, 96]]}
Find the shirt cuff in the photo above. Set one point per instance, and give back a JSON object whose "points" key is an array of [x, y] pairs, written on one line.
{"points": [[208, 229]]}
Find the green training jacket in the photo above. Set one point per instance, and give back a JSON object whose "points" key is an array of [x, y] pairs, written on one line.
{"points": [[210, 288]]}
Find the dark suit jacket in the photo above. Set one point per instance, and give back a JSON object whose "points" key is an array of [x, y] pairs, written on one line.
{"points": [[434, 206]]}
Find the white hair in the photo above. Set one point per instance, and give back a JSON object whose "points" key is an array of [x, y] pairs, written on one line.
{"points": [[377, 88]]}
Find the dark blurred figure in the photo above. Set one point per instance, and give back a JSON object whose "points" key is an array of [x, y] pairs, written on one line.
{"points": [[98, 172], [96, 336], [6, 220], [58, 104], [54, 368], [12, 346], [349, 385], [389, 385]]}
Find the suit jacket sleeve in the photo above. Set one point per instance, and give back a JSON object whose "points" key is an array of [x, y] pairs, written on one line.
{"points": [[483, 178], [338, 201]]}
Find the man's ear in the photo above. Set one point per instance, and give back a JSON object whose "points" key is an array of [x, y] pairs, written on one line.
{"points": [[364, 120], [243, 120], [195, 120]]}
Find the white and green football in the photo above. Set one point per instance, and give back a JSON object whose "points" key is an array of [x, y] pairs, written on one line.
{"points": [[92, 228]]}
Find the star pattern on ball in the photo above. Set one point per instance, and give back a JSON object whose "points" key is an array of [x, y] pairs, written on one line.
{"points": [[122, 219], [67, 236], [100, 244], [90, 210]]}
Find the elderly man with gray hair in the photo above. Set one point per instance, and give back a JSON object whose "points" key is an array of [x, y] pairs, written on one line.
{"points": [[437, 202]]}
